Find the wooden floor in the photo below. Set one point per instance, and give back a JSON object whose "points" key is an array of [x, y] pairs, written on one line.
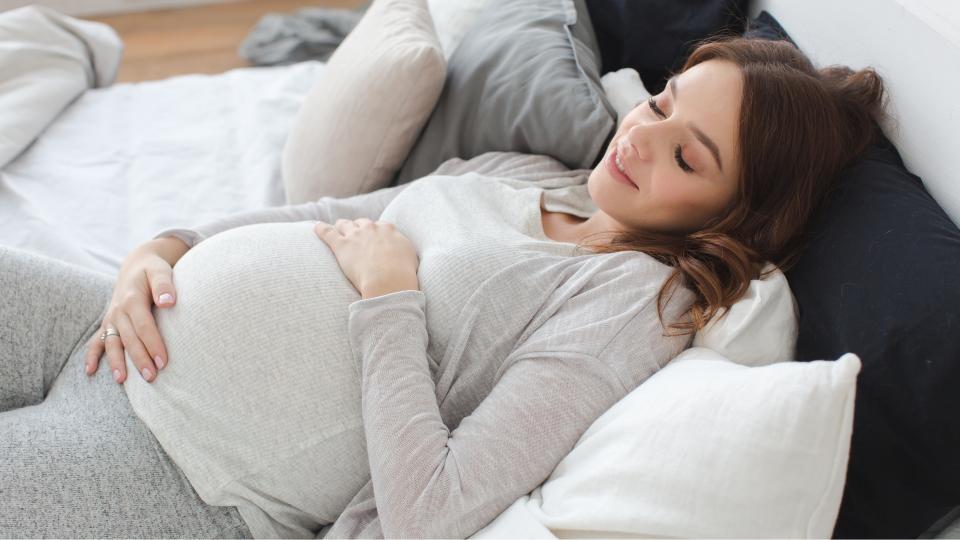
{"points": [[201, 39]]}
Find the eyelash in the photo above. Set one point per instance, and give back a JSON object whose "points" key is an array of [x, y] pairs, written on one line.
{"points": [[677, 155]]}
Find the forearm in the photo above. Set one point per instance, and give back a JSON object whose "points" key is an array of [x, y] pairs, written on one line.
{"points": [[327, 209], [404, 430]]}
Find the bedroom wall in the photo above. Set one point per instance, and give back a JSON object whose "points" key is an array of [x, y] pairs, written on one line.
{"points": [[103, 7], [915, 46]]}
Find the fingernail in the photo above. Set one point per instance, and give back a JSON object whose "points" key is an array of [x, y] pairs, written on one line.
{"points": [[116, 375], [86, 368], [146, 373], [158, 361], [165, 298]]}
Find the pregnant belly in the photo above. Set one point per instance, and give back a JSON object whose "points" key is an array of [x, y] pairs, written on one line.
{"points": [[261, 395]]}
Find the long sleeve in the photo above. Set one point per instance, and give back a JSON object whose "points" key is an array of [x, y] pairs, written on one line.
{"points": [[328, 209], [520, 167], [431, 482]]}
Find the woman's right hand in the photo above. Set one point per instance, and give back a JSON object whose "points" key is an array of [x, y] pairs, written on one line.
{"points": [[145, 278]]}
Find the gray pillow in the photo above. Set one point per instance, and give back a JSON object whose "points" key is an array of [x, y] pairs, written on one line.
{"points": [[525, 78]]}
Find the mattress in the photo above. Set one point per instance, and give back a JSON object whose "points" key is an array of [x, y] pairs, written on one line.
{"points": [[124, 162]]}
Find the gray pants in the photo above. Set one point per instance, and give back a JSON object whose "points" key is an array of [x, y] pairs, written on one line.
{"points": [[75, 461]]}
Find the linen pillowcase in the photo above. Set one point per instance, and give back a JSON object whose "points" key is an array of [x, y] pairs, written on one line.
{"points": [[705, 448], [359, 121], [526, 79]]}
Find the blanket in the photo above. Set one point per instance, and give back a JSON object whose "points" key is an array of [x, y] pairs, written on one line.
{"points": [[308, 34], [47, 59]]}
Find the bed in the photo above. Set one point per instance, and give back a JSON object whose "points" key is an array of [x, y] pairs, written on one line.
{"points": [[120, 162]]}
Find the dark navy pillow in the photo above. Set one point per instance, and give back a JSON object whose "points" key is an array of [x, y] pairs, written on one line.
{"points": [[764, 26], [878, 278], [654, 37]]}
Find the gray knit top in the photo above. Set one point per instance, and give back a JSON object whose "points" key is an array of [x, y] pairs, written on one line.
{"points": [[473, 388]]}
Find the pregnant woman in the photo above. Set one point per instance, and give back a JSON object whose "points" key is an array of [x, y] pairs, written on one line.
{"points": [[410, 361]]}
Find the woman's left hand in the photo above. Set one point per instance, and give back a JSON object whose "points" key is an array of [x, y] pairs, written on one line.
{"points": [[376, 257]]}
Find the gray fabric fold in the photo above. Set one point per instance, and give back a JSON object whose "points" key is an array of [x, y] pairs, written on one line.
{"points": [[307, 34]]}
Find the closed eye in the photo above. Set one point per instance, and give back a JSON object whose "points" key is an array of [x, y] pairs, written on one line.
{"points": [[655, 108], [678, 156], [677, 151]]}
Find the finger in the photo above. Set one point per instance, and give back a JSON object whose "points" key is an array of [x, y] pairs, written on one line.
{"points": [[160, 278], [327, 232], [94, 352], [135, 349], [114, 348], [360, 222], [344, 225], [145, 326]]}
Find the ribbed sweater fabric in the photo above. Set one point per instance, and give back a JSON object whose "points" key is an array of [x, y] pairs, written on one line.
{"points": [[474, 387]]}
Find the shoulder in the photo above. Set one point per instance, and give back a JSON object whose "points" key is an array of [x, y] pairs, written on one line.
{"points": [[497, 163], [625, 301], [515, 167], [632, 273], [605, 307], [596, 296]]}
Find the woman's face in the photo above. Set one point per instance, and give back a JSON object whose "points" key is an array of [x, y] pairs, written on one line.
{"points": [[680, 154]]}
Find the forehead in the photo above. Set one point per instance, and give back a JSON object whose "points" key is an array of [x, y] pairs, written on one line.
{"points": [[708, 96]]}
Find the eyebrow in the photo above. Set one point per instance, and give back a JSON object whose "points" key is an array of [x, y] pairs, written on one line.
{"points": [[701, 136]]}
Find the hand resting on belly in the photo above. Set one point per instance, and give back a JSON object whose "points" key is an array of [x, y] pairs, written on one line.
{"points": [[259, 363]]}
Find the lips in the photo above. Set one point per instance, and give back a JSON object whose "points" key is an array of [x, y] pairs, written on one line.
{"points": [[615, 171]]}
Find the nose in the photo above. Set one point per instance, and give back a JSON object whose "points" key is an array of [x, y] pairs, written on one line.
{"points": [[635, 143]]}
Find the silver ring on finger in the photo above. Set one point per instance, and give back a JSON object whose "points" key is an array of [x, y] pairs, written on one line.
{"points": [[109, 332]]}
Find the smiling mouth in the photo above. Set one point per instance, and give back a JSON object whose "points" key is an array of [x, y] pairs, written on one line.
{"points": [[618, 170]]}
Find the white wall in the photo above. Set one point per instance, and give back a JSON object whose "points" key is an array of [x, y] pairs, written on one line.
{"points": [[105, 7], [915, 46]]}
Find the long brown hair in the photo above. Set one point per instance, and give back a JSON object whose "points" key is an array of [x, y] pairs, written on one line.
{"points": [[798, 128]]}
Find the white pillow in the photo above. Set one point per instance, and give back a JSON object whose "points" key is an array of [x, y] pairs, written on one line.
{"points": [[359, 121], [705, 448], [624, 90], [452, 19], [760, 328]]}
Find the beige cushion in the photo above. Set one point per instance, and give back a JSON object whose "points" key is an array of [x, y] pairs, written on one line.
{"points": [[359, 121]]}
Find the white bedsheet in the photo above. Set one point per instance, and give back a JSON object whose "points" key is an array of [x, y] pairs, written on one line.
{"points": [[127, 161], [47, 59]]}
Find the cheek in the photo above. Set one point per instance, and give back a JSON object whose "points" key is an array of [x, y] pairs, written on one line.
{"points": [[677, 190], [670, 187]]}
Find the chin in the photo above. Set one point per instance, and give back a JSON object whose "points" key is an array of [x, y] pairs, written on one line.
{"points": [[595, 189], [605, 190], [609, 202]]}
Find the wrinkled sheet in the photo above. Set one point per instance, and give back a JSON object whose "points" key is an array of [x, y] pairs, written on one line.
{"points": [[124, 162], [47, 59]]}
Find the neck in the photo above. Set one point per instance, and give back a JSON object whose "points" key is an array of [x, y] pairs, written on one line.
{"points": [[575, 229]]}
